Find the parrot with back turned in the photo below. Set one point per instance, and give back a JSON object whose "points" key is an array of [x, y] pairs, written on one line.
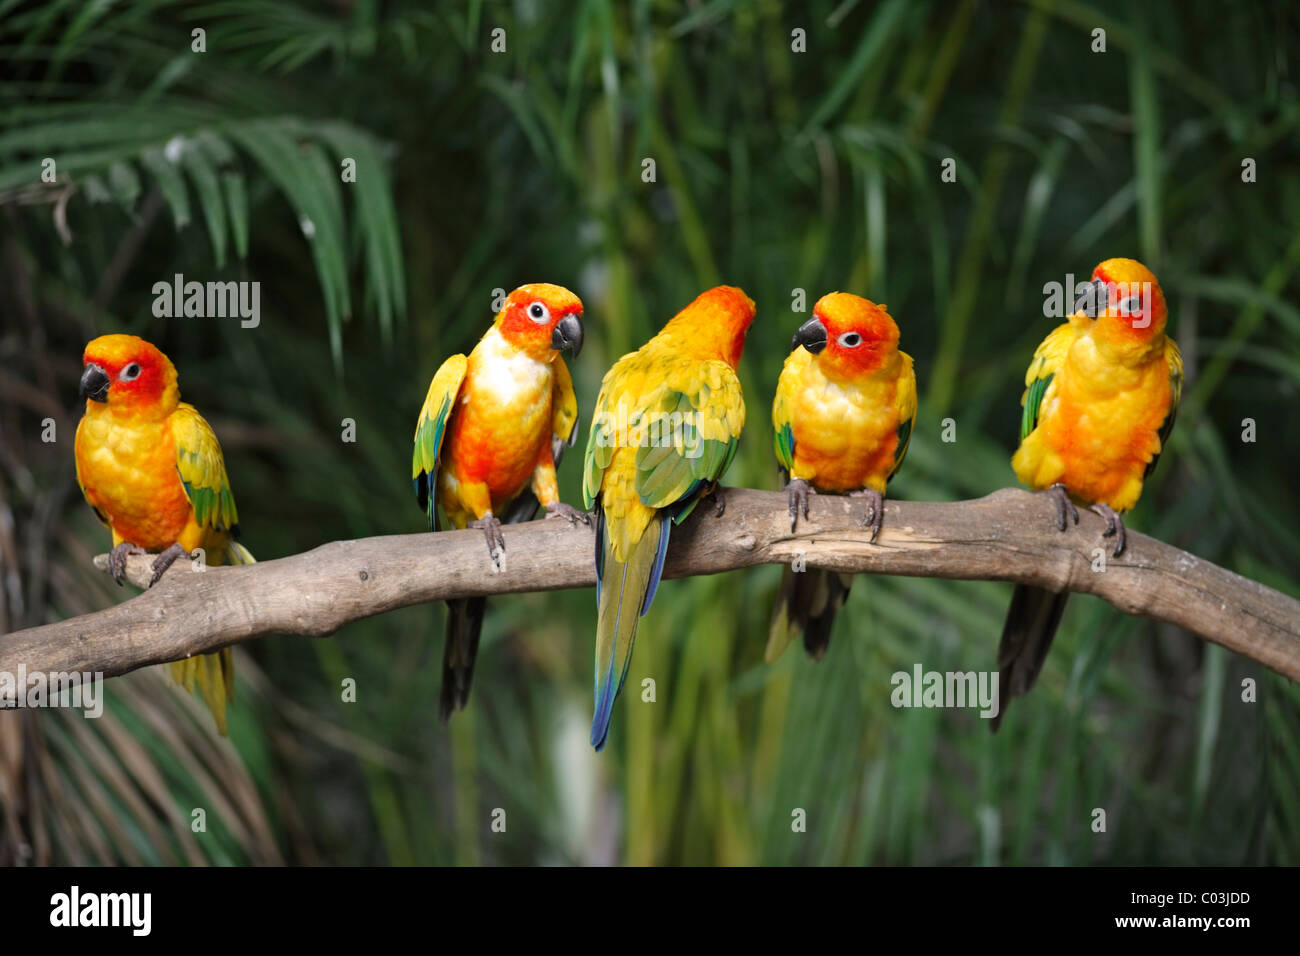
{"points": [[666, 426], [1101, 394], [843, 415], [493, 427], [151, 467]]}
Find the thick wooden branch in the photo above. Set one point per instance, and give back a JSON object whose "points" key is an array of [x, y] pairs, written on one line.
{"points": [[1008, 536]]}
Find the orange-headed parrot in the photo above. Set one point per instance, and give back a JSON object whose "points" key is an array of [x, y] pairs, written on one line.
{"points": [[666, 427], [842, 418], [152, 469], [491, 431], [1099, 405]]}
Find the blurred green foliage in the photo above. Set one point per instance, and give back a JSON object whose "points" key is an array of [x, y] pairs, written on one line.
{"points": [[775, 170]]}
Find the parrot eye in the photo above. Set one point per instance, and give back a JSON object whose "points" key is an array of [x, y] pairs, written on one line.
{"points": [[539, 313], [130, 373], [850, 340]]}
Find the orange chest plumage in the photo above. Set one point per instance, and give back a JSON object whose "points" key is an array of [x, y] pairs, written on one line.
{"points": [[128, 471], [845, 434], [1105, 428], [502, 420]]}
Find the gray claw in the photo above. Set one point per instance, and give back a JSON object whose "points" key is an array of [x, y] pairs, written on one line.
{"points": [[1114, 525], [1064, 506], [558, 509], [165, 560], [117, 560], [875, 516], [798, 491], [496, 541]]}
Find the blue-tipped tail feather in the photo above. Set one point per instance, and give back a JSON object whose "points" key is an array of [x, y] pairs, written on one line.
{"points": [[624, 592]]}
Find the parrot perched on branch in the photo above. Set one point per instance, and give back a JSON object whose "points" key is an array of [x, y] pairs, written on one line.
{"points": [[666, 426], [1099, 404], [152, 469], [843, 415], [492, 429]]}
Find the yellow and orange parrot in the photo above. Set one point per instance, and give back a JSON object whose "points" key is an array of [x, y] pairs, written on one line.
{"points": [[152, 469], [487, 441], [1101, 395], [842, 418], [666, 426]]}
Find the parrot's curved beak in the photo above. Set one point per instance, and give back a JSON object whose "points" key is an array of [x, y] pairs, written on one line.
{"points": [[811, 335], [94, 384], [1093, 300], [567, 335]]}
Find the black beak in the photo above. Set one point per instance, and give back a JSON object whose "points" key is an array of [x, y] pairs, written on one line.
{"points": [[568, 335], [94, 384], [811, 335], [1094, 300]]}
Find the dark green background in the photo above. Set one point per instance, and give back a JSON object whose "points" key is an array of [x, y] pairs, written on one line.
{"points": [[775, 171]]}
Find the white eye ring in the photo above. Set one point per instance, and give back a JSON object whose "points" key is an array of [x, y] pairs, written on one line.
{"points": [[850, 340], [539, 313], [130, 373], [1131, 306]]}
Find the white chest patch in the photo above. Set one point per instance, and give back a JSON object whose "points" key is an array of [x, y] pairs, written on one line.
{"points": [[834, 401], [504, 374]]}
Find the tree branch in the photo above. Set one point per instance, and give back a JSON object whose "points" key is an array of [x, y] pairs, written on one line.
{"points": [[1008, 536]]}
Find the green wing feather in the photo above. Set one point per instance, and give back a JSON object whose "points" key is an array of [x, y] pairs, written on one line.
{"points": [[783, 443], [900, 450], [1175, 361], [599, 451], [203, 470], [1033, 402], [905, 402], [1048, 357], [698, 433], [430, 429], [686, 431], [564, 409], [787, 386]]}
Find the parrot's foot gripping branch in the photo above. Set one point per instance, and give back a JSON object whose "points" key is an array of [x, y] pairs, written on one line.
{"points": [[875, 516], [1064, 506], [558, 509], [798, 491], [496, 541], [718, 497], [165, 560], [1114, 525], [117, 559]]}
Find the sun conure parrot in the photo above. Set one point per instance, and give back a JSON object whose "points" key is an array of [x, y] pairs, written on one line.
{"points": [[1101, 394], [666, 426], [843, 415], [152, 469], [487, 441]]}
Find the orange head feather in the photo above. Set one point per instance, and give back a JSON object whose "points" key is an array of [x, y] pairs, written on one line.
{"points": [[714, 325], [129, 375], [853, 335], [539, 318]]}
